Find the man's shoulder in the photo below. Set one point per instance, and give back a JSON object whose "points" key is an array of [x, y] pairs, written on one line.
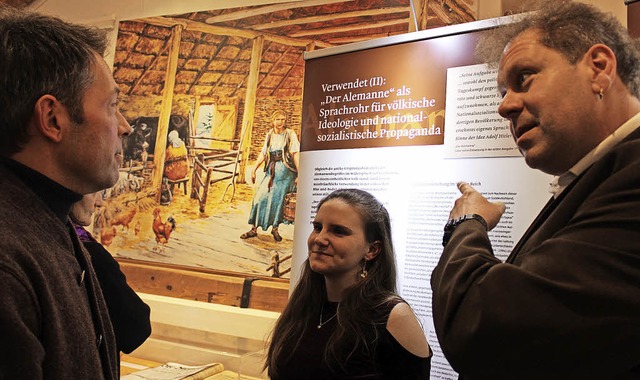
{"points": [[15, 198], [626, 153], [23, 221], [630, 142]]}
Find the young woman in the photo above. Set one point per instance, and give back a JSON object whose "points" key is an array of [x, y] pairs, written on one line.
{"points": [[344, 319]]}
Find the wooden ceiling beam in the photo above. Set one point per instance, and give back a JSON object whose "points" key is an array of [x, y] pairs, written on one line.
{"points": [[441, 13], [424, 15], [195, 26], [257, 11], [349, 28], [350, 39], [464, 13], [332, 16], [451, 12]]}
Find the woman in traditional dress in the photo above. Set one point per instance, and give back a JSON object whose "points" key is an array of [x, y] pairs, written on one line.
{"points": [[280, 157]]}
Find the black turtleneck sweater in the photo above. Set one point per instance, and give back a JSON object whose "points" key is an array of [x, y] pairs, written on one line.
{"points": [[57, 197]]}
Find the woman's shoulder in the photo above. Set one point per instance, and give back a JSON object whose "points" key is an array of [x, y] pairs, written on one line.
{"points": [[291, 134], [405, 328]]}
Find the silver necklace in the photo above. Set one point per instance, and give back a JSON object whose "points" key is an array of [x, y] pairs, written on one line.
{"points": [[330, 318]]}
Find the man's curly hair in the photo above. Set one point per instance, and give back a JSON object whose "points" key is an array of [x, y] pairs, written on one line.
{"points": [[570, 28]]}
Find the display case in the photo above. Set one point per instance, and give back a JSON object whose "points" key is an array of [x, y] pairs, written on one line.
{"points": [[197, 333]]}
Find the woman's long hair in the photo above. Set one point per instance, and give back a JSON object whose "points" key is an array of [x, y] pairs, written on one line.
{"points": [[355, 312]]}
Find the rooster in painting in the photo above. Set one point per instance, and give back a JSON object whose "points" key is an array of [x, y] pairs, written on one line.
{"points": [[106, 235], [161, 229], [124, 218]]}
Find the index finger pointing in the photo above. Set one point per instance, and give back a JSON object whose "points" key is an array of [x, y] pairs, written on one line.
{"points": [[464, 187]]}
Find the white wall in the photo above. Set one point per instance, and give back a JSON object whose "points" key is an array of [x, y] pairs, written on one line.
{"points": [[495, 8], [616, 7]]}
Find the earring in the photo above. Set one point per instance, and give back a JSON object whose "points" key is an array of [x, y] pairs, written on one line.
{"points": [[601, 94], [364, 272]]}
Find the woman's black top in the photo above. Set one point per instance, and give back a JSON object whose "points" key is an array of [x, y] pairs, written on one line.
{"points": [[389, 360]]}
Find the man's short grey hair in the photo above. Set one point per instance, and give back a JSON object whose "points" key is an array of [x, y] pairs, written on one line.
{"points": [[42, 55]]}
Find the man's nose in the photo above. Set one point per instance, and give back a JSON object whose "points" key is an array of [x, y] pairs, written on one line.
{"points": [[124, 128], [510, 106]]}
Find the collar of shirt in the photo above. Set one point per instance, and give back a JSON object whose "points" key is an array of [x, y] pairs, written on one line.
{"points": [[559, 183]]}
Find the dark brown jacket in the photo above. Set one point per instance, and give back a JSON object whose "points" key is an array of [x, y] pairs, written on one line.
{"points": [[566, 304]]}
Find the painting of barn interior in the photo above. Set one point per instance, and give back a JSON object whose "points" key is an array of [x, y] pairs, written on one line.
{"points": [[214, 99]]}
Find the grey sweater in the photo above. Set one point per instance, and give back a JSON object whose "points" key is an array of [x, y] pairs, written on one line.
{"points": [[53, 319]]}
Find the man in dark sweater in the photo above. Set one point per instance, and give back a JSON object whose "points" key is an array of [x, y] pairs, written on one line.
{"points": [[61, 138]]}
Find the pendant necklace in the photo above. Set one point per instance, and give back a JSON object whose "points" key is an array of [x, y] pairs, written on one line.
{"points": [[327, 321]]}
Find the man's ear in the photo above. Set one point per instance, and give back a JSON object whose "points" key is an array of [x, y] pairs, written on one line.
{"points": [[603, 67], [49, 117], [374, 250]]}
